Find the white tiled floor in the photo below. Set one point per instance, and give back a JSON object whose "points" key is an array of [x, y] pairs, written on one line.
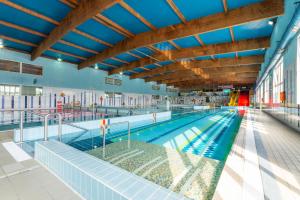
{"points": [[276, 157], [27, 180]]}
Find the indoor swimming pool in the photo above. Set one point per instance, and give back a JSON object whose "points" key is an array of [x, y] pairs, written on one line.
{"points": [[183, 153], [207, 133]]}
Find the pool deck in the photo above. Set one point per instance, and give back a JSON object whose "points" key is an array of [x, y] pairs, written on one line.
{"points": [[264, 162], [27, 180]]}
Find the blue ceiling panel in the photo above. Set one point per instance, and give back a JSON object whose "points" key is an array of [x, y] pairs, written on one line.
{"points": [[150, 66], [187, 42], [143, 51], [252, 30], [24, 36], [157, 12], [138, 70], [100, 31], [127, 57], [104, 67], [113, 62], [72, 50], [193, 9], [203, 58], [50, 8], [252, 52], [84, 41], [127, 73], [62, 56], [20, 18], [225, 55], [17, 46], [232, 4], [164, 46], [165, 62], [215, 37], [122, 17]]}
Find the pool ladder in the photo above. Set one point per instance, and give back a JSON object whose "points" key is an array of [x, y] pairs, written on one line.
{"points": [[104, 131]]}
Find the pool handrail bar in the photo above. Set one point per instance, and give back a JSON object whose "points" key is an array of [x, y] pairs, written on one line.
{"points": [[104, 135]]}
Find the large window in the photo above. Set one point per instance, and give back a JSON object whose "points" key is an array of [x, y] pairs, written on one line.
{"points": [[267, 90], [298, 72], [9, 90], [277, 81]]}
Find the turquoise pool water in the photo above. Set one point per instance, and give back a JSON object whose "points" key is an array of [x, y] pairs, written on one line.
{"points": [[208, 134]]}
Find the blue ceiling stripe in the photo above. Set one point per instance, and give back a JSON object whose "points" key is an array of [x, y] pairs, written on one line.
{"points": [[100, 31], [203, 58], [84, 41], [165, 62], [122, 17], [18, 46], [105, 67], [24, 36], [127, 57], [20, 18], [232, 4], [164, 46], [215, 37], [150, 66], [72, 50], [138, 70], [192, 9], [144, 50], [50, 8], [252, 30], [187, 42], [157, 12], [62, 56], [225, 55], [252, 52], [113, 62]]}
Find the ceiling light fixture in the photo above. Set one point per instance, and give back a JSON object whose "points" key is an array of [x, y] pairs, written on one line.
{"points": [[270, 22]]}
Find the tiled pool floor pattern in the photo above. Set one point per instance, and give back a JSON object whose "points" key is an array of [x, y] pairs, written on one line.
{"points": [[185, 173]]}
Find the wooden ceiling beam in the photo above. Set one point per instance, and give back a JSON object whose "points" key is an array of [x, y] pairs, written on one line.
{"points": [[194, 77], [222, 62], [207, 74], [250, 13], [177, 11], [192, 52], [84, 11], [198, 83]]}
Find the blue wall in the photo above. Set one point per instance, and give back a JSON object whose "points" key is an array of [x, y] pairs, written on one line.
{"points": [[65, 75]]}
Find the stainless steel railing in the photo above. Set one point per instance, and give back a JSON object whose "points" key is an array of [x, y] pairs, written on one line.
{"points": [[59, 125], [104, 130]]}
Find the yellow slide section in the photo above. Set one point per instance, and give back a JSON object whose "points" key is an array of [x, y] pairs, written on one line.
{"points": [[234, 96]]}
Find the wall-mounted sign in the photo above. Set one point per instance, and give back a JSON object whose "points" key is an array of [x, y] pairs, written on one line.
{"points": [[155, 87], [112, 81], [172, 89]]}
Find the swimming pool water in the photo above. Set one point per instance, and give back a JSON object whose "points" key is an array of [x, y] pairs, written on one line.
{"points": [[208, 134]]}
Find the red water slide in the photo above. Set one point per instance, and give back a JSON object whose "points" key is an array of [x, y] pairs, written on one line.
{"points": [[244, 98]]}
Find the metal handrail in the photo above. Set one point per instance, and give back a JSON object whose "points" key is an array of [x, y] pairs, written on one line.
{"points": [[73, 125], [21, 125], [104, 135], [59, 125]]}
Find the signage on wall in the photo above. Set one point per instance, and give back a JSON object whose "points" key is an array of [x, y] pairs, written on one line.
{"points": [[155, 87], [112, 81], [172, 89]]}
